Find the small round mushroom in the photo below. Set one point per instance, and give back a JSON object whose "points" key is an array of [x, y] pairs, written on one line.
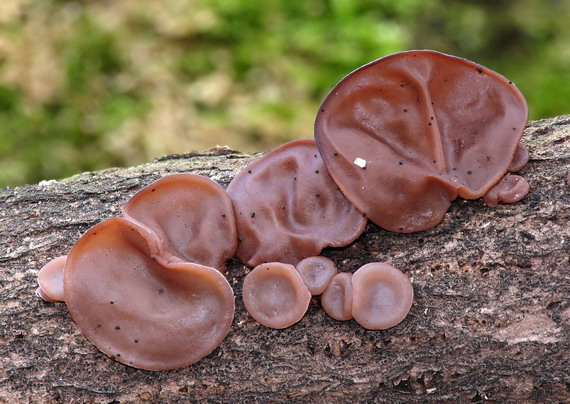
{"points": [[274, 295], [512, 188], [191, 215], [337, 297], [317, 273], [287, 207], [50, 280], [381, 296], [139, 308], [405, 135]]}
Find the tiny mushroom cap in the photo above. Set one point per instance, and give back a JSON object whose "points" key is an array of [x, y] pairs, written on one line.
{"points": [[50, 280], [337, 297], [381, 296], [512, 188], [317, 273], [429, 127], [520, 159], [274, 295], [140, 309], [192, 215], [287, 207]]}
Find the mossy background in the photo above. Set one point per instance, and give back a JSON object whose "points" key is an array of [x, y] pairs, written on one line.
{"points": [[92, 84]]}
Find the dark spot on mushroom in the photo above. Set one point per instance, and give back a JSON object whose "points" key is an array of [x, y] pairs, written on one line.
{"points": [[252, 214], [249, 171], [160, 291], [479, 70], [400, 162], [322, 110], [136, 341], [317, 195], [405, 110], [316, 171], [153, 190], [223, 215], [117, 327], [111, 302], [469, 172]]}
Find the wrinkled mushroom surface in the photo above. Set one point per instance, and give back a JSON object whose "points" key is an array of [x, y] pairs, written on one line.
{"points": [[193, 217], [317, 273], [337, 297], [381, 296], [50, 280], [287, 207], [274, 295], [145, 312], [405, 135]]}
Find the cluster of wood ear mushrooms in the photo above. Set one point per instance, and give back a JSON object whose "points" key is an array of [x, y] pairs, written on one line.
{"points": [[396, 141]]}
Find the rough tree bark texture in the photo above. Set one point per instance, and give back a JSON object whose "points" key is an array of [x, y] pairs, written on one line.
{"points": [[490, 320]]}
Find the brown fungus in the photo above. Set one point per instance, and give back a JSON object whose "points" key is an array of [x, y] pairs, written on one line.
{"points": [[50, 280], [317, 273], [512, 188], [405, 135], [287, 207], [337, 297], [274, 295], [381, 296], [193, 217], [139, 308]]}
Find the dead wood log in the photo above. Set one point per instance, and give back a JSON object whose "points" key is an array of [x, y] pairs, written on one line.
{"points": [[490, 320]]}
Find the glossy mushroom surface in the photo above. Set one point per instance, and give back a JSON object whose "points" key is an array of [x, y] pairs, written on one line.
{"points": [[142, 310], [193, 217], [50, 280], [287, 207], [381, 296], [405, 135], [274, 295], [512, 188], [316, 272], [337, 297]]}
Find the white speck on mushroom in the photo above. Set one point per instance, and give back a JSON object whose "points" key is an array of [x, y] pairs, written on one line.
{"points": [[360, 162]]}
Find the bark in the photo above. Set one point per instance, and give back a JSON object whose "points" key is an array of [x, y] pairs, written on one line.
{"points": [[490, 319]]}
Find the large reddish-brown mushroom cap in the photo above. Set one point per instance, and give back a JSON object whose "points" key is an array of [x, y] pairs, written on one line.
{"points": [[144, 312], [381, 296], [287, 207], [193, 217], [406, 134], [274, 295]]}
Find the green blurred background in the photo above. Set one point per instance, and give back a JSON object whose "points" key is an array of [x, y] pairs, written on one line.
{"points": [[92, 84]]}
